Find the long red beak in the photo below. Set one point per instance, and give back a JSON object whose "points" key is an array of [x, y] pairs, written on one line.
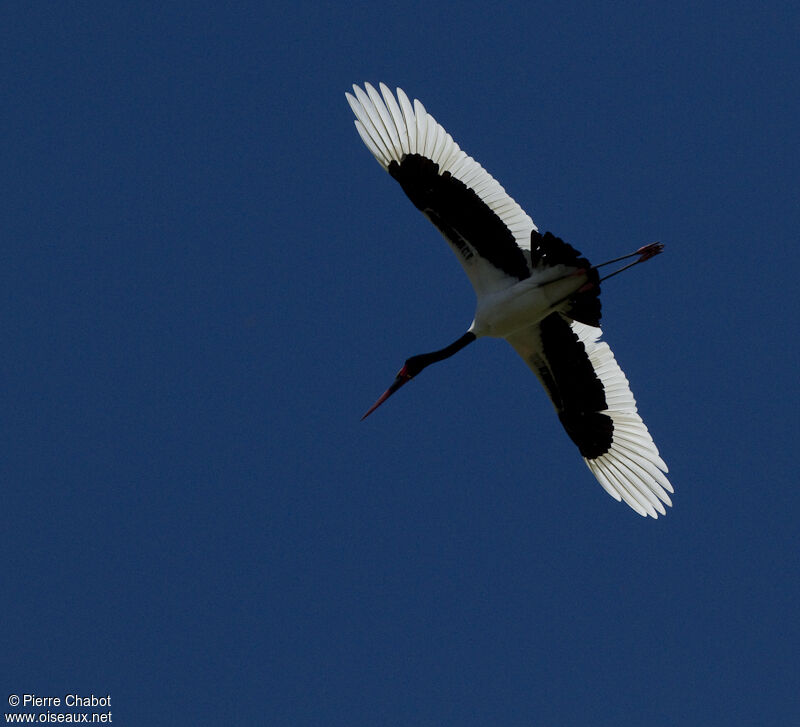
{"points": [[402, 378]]}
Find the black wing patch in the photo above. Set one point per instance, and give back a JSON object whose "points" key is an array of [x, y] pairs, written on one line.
{"points": [[575, 389], [548, 250], [459, 214]]}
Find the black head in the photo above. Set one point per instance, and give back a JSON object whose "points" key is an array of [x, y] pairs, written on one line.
{"points": [[415, 364]]}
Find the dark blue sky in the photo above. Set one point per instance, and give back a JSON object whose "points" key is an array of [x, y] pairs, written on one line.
{"points": [[207, 280]]}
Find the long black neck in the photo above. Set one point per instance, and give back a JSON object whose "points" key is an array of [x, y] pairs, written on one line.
{"points": [[419, 362]]}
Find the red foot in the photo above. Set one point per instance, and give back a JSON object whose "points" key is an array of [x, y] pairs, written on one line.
{"points": [[648, 251]]}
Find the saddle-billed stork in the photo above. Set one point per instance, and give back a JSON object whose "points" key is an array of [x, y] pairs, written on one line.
{"points": [[535, 291]]}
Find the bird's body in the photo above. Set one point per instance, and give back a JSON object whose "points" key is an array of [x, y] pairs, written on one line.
{"points": [[533, 290], [505, 312]]}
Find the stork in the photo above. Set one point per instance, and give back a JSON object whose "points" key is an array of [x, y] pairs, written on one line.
{"points": [[535, 291]]}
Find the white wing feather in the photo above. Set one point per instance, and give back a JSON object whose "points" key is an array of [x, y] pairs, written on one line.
{"points": [[391, 128], [632, 469], [632, 465]]}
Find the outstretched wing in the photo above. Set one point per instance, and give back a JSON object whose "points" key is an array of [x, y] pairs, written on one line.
{"points": [[486, 228], [595, 405]]}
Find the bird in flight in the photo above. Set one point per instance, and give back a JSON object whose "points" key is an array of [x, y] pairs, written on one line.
{"points": [[535, 291]]}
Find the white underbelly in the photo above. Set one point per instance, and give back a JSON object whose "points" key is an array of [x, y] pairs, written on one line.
{"points": [[503, 313]]}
